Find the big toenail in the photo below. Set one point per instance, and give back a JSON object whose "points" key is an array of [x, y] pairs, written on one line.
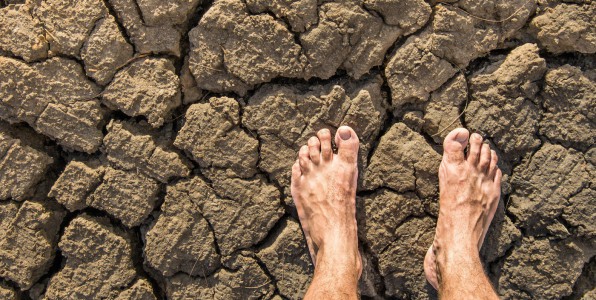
{"points": [[345, 134], [460, 137]]}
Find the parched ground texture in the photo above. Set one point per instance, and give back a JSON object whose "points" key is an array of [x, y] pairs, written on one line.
{"points": [[146, 145]]}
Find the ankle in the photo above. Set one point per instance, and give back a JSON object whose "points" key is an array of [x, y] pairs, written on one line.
{"points": [[461, 276], [454, 255], [339, 260]]}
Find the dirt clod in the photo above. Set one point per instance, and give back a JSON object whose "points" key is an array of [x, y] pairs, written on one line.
{"points": [[141, 290], [128, 196], [211, 134], [105, 51], [414, 72], [288, 260], [234, 50], [55, 98], [28, 238], [181, 238], [403, 161], [541, 268], [506, 88], [21, 166], [68, 23], [539, 202], [139, 148], [243, 278], [93, 246], [158, 13], [29, 42], [147, 87], [381, 213], [457, 34], [401, 264], [162, 39], [569, 98], [241, 211], [441, 114], [567, 28]]}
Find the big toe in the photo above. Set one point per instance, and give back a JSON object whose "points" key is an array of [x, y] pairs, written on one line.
{"points": [[454, 144], [347, 144]]}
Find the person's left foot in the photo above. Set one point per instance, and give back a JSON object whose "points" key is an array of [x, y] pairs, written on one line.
{"points": [[469, 192], [324, 190]]}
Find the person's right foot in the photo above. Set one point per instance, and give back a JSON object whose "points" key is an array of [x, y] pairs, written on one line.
{"points": [[470, 188]]}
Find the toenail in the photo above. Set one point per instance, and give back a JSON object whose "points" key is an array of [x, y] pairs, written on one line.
{"points": [[345, 134], [460, 137], [477, 136]]}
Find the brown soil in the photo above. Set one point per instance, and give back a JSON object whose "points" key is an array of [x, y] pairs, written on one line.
{"points": [[146, 145]]}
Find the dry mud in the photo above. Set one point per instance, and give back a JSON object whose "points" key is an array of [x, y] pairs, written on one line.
{"points": [[145, 145]]}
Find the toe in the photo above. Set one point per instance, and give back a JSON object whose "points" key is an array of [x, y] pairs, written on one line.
{"points": [[314, 150], [496, 196], [296, 171], [494, 203], [497, 181], [485, 158], [454, 144], [492, 169], [324, 136], [347, 144], [475, 148], [304, 159]]}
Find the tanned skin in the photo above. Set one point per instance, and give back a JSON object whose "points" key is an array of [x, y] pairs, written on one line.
{"points": [[324, 190]]}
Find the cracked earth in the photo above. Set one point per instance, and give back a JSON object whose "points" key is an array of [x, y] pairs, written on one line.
{"points": [[146, 146]]}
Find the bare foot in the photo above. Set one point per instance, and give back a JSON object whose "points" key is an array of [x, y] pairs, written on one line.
{"points": [[470, 188], [324, 190]]}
